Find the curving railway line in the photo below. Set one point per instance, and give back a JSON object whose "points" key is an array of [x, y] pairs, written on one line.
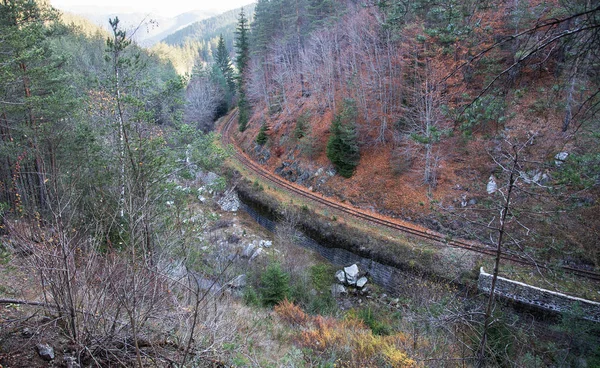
{"points": [[390, 223]]}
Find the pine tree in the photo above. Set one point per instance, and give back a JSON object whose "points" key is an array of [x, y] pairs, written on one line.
{"points": [[35, 101], [267, 22], [243, 56], [302, 126], [262, 137], [320, 12], [223, 61], [342, 147], [275, 285]]}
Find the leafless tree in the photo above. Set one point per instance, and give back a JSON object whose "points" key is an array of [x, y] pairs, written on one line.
{"points": [[258, 84], [202, 99]]}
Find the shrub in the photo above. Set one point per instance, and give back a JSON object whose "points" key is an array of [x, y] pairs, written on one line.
{"points": [[323, 303], [309, 146], [251, 297], [291, 313], [321, 276], [401, 160], [301, 126], [369, 318], [274, 285], [348, 341], [482, 112]]}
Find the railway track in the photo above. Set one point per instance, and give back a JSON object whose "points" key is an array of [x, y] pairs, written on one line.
{"points": [[393, 224]]}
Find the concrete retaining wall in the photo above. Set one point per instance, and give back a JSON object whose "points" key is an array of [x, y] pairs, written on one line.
{"points": [[537, 297]]}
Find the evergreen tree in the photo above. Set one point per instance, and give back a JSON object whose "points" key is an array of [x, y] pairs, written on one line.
{"points": [[267, 22], [342, 146], [262, 137], [320, 12], [222, 75], [34, 105], [243, 56], [224, 63], [302, 126], [275, 285]]}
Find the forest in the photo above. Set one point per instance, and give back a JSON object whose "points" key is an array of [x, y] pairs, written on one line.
{"points": [[430, 103], [474, 119]]}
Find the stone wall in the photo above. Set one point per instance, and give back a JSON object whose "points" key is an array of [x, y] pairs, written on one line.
{"points": [[540, 298]]}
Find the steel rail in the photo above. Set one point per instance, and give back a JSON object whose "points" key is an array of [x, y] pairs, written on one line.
{"points": [[394, 224]]}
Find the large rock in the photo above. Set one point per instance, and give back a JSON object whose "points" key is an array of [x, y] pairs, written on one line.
{"points": [[492, 187], [351, 274], [534, 177], [360, 283], [257, 253], [45, 351], [238, 282], [337, 290], [230, 202], [207, 178], [560, 158], [71, 362], [341, 276], [265, 243], [249, 250], [262, 154]]}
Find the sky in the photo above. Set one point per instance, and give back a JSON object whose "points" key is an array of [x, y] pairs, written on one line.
{"points": [[167, 8]]}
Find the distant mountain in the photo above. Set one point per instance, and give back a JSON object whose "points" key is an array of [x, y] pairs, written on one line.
{"points": [[149, 28], [210, 28], [85, 25]]}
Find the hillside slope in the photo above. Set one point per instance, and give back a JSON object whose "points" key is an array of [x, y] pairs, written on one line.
{"points": [[209, 29], [443, 99]]}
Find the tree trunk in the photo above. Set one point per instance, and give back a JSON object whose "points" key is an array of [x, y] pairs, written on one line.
{"points": [[481, 358]]}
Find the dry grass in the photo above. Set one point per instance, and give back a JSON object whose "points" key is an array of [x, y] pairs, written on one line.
{"points": [[348, 341]]}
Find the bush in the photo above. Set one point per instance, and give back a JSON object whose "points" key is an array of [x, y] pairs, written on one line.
{"points": [[291, 313], [347, 342], [301, 126], [274, 285], [251, 297], [369, 318], [482, 112], [309, 146], [401, 161], [323, 304], [321, 276]]}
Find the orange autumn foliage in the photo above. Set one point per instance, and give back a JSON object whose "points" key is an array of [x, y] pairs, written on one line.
{"points": [[349, 340], [291, 313]]}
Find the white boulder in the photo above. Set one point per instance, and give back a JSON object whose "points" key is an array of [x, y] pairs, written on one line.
{"points": [[492, 187], [560, 158], [351, 274], [341, 276]]}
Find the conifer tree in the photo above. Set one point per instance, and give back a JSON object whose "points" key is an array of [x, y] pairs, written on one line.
{"points": [[243, 55], [116, 46], [262, 137], [223, 61], [266, 25], [319, 11], [275, 285], [342, 147], [34, 103]]}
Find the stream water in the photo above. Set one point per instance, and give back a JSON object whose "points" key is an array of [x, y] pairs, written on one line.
{"points": [[393, 280]]}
